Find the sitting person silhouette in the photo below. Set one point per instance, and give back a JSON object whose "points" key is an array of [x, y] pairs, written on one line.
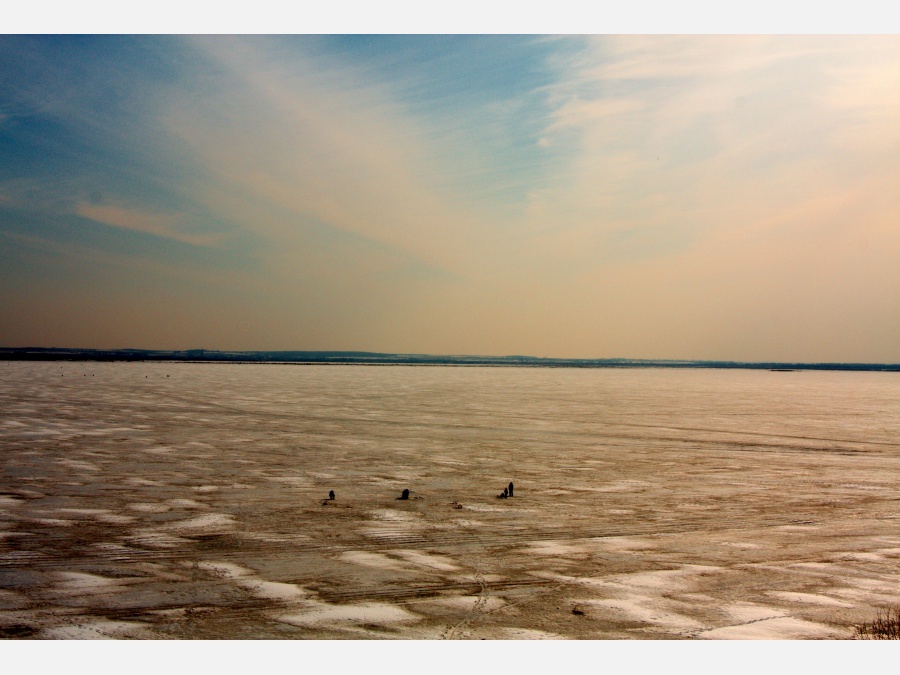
{"points": [[404, 494], [504, 494], [331, 494]]}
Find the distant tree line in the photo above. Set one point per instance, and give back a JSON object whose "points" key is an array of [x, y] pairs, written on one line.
{"points": [[374, 358]]}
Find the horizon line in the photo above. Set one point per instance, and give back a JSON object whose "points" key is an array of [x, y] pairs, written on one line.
{"points": [[358, 357]]}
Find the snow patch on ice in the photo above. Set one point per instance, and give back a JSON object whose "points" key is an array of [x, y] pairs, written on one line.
{"points": [[529, 634], [809, 598], [79, 465], [859, 555], [369, 559], [668, 580], [82, 583], [646, 609], [438, 562], [552, 548], [99, 630], [777, 628], [367, 613], [159, 450], [394, 516], [145, 507], [209, 523], [268, 590], [157, 539]]}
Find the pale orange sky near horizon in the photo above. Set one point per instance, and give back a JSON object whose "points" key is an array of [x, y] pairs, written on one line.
{"points": [[684, 197]]}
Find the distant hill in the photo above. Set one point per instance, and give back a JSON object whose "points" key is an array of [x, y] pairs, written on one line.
{"points": [[374, 358]]}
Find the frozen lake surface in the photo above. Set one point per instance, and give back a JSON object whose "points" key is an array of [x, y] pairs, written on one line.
{"points": [[153, 500]]}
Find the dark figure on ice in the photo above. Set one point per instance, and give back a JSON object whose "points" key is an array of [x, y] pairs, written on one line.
{"points": [[404, 494], [510, 489], [331, 494], [504, 494]]}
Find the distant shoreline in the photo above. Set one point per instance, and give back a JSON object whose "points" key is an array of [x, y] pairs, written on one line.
{"points": [[380, 359]]}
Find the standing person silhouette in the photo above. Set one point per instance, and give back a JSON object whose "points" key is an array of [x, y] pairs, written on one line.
{"points": [[331, 494], [510, 489]]}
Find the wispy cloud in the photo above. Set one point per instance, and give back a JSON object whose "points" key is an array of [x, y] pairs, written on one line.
{"points": [[169, 226], [728, 178], [289, 145], [709, 130]]}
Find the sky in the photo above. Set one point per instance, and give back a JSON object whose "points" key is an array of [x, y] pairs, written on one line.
{"points": [[667, 196]]}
